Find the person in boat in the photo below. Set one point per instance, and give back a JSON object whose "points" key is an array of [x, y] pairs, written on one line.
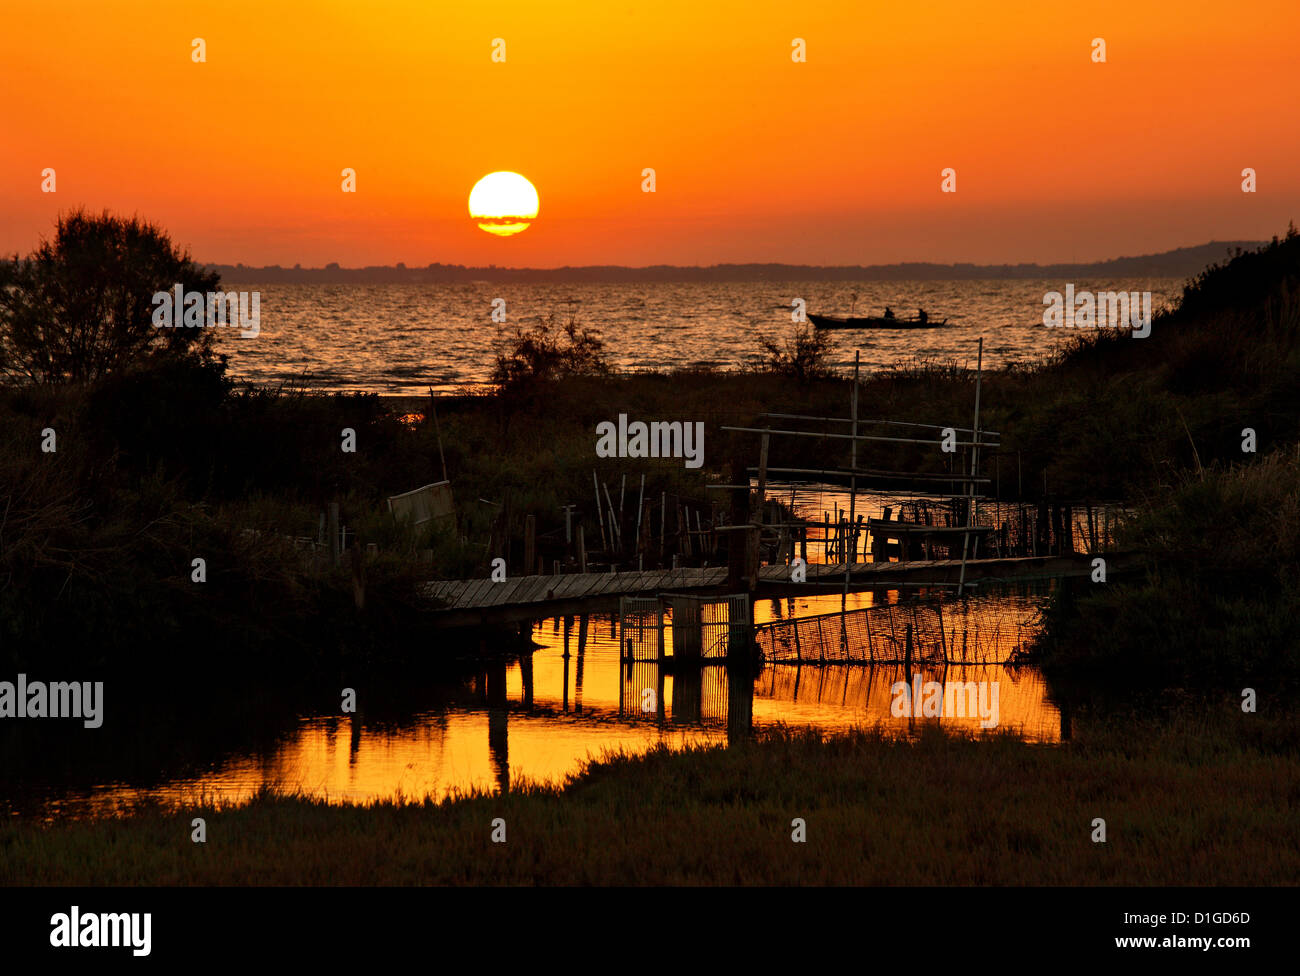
{"points": [[889, 312], [921, 316]]}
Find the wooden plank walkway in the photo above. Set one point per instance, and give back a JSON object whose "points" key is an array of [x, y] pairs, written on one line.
{"points": [[479, 601]]}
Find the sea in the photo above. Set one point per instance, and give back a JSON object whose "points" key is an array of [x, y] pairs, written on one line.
{"points": [[408, 339]]}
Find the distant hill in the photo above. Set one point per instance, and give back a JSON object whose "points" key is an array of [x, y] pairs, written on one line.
{"points": [[1183, 262]]}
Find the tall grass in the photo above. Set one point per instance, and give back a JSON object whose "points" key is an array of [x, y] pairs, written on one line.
{"points": [[1195, 801]]}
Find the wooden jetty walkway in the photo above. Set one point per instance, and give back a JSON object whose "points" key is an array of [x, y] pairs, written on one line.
{"points": [[482, 601]]}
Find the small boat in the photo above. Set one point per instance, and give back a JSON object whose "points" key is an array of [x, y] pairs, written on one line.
{"points": [[873, 322]]}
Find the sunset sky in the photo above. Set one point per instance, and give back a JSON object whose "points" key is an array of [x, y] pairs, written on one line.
{"points": [[758, 158]]}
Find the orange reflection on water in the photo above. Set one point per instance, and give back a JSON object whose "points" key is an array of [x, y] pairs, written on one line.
{"points": [[541, 718]]}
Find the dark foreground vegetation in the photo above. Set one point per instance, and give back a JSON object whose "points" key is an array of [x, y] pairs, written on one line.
{"points": [[1205, 801], [161, 459]]}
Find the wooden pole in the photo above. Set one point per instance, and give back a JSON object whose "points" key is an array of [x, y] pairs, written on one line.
{"points": [[614, 537], [599, 512], [974, 462], [433, 410], [358, 577], [530, 543], [751, 568], [851, 556], [663, 521], [640, 502]]}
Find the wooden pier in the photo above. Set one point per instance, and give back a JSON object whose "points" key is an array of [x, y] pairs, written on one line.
{"points": [[481, 601]]}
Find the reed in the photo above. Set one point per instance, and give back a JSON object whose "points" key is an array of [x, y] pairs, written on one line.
{"points": [[1200, 797]]}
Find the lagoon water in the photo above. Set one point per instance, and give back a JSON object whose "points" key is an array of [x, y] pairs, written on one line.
{"points": [[540, 720], [406, 339]]}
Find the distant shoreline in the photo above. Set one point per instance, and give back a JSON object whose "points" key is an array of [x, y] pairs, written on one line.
{"points": [[1179, 263]]}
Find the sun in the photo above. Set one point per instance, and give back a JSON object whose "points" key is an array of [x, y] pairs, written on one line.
{"points": [[503, 203]]}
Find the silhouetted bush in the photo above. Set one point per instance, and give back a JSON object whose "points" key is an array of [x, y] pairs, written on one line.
{"points": [[80, 307]]}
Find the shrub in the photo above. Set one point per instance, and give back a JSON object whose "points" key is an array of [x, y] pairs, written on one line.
{"points": [[80, 307], [801, 356]]}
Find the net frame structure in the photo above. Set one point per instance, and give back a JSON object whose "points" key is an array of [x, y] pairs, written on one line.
{"points": [[934, 630], [702, 626]]}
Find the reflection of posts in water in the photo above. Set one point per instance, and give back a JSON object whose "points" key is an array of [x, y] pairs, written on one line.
{"points": [[1065, 722], [526, 672], [688, 693], [740, 701], [480, 677], [582, 653], [498, 720], [568, 621], [661, 704], [637, 680], [740, 633], [354, 740]]}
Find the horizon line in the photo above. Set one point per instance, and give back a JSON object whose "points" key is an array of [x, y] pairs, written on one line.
{"points": [[403, 266]]}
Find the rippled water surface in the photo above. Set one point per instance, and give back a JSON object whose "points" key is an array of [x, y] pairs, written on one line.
{"points": [[404, 339]]}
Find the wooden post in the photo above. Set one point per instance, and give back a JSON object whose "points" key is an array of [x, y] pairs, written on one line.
{"points": [[660, 653], [358, 577], [599, 511], [687, 629], [530, 544], [433, 410], [640, 501], [582, 551], [974, 466], [756, 520], [663, 520], [615, 533], [334, 532], [850, 555], [738, 542]]}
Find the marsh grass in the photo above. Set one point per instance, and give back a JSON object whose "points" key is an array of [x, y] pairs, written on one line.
{"points": [[1203, 797]]}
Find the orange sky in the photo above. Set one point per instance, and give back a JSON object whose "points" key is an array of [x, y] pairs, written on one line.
{"points": [[836, 161]]}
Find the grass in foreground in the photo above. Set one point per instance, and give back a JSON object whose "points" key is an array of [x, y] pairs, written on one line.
{"points": [[1192, 801]]}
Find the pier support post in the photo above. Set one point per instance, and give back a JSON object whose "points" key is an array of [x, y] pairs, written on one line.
{"points": [[687, 630]]}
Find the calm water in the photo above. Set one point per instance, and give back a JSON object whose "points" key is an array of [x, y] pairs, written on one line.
{"points": [[542, 718], [539, 720], [404, 339]]}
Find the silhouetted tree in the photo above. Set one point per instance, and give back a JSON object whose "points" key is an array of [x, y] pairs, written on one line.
{"points": [[80, 307], [802, 356], [535, 357]]}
